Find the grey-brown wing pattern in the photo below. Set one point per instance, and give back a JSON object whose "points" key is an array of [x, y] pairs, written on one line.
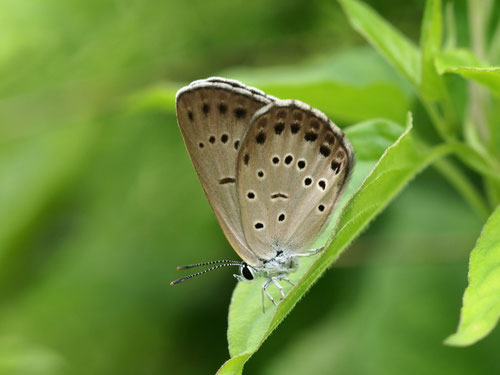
{"points": [[213, 116], [292, 167]]}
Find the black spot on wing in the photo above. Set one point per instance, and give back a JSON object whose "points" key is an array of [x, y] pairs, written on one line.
{"points": [[227, 180], [205, 108], [335, 166], [279, 127], [222, 108], [325, 150], [310, 136], [240, 112], [260, 138], [279, 195]]}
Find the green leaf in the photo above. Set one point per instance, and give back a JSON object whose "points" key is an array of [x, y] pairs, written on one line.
{"points": [[371, 138], [481, 303], [394, 46], [344, 102], [465, 64], [349, 87], [431, 85], [248, 326]]}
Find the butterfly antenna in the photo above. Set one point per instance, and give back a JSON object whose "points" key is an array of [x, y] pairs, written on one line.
{"points": [[235, 262], [204, 271]]}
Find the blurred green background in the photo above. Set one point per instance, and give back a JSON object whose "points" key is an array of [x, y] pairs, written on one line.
{"points": [[99, 201]]}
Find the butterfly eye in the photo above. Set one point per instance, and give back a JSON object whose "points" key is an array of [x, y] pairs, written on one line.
{"points": [[246, 272]]}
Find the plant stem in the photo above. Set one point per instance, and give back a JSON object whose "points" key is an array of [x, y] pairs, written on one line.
{"points": [[456, 177]]}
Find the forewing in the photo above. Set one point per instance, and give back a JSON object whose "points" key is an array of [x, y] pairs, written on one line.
{"points": [[213, 116], [292, 166]]}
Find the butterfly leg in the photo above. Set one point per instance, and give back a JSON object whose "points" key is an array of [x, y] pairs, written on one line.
{"points": [[289, 281], [310, 252], [263, 299], [264, 290], [280, 288], [240, 278]]}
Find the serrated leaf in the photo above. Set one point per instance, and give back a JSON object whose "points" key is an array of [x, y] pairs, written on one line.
{"points": [[481, 303], [393, 45], [248, 327]]}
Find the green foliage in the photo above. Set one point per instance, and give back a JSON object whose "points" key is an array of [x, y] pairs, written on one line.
{"points": [[481, 305], [432, 90], [99, 202], [394, 46], [399, 164]]}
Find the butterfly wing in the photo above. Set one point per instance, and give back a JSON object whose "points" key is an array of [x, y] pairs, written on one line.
{"points": [[213, 116], [292, 166]]}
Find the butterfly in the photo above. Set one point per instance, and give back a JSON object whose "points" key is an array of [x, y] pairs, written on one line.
{"points": [[272, 171]]}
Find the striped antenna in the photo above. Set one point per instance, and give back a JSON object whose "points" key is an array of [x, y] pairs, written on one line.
{"points": [[235, 262], [204, 271]]}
